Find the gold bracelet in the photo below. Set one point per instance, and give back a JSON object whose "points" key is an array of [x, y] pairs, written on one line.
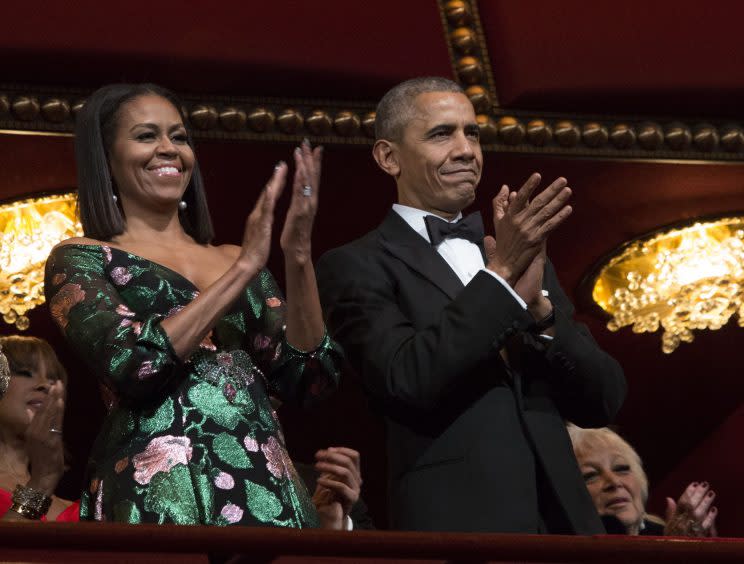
{"points": [[30, 503]]}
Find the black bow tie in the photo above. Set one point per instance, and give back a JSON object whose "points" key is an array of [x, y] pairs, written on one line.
{"points": [[470, 228]]}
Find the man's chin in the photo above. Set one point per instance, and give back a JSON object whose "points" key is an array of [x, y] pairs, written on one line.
{"points": [[466, 195]]}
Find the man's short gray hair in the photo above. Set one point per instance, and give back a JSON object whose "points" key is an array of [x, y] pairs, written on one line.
{"points": [[396, 108]]}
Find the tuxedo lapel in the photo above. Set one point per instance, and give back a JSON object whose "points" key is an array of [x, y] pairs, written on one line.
{"points": [[405, 244]]}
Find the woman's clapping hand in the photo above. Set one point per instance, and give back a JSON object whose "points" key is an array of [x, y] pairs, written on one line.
{"points": [[298, 225], [693, 514]]}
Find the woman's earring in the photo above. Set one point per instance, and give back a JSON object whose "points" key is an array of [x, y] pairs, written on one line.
{"points": [[182, 205], [114, 198]]}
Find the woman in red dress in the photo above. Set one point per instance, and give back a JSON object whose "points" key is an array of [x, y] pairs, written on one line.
{"points": [[32, 402]]}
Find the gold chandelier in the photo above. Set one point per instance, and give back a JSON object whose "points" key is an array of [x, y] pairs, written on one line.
{"points": [[681, 280], [29, 228]]}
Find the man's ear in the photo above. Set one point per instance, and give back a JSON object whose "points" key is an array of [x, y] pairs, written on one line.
{"points": [[386, 156]]}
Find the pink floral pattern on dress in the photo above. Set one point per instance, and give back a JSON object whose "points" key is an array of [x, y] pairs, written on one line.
{"points": [[152, 445], [251, 444], [146, 369], [235, 367], [121, 275], [232, 513], [63, 301], [161, 454], [273, 452], [106, 254], [229, 392], [224, 481], [135, 325], [174, 310], [273, 302], [124, 311], [261, 342]]}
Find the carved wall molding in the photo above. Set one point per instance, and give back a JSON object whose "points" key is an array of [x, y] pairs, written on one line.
{"points": [[53, 110], [631, 137], [468, 52]]}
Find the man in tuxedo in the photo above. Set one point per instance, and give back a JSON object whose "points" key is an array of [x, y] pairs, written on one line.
{"points": [[466, 344]]}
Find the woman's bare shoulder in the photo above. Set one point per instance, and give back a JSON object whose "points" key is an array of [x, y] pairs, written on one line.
{"points": [[229, 251], [80, 241]]}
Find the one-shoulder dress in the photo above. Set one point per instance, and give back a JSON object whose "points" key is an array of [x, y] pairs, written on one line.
{"points": [[194, 442]]}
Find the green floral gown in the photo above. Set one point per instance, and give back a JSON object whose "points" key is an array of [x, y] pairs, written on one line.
{"points": [[193, 442]]}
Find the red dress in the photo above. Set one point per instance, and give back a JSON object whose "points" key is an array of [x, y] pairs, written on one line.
{"points": [[72, 513]]}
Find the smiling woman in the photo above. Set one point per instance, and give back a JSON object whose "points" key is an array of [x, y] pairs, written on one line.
{"points": [[151, 157], [618, 485], [187, 339], [31, 450], [117, 125]]}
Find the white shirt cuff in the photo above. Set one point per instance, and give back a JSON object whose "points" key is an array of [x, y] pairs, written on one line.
{"points": [[516, 297], [511, 290], [348, 524]]}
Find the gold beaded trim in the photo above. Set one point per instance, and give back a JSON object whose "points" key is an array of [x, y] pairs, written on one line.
{"points": [[29, 109], [613, 136]]}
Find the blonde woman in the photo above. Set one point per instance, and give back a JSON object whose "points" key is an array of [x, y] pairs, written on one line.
{"points": [[614, 476]]}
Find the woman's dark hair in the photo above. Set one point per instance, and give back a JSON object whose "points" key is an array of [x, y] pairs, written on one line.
{"points": [[95, 129], [26, 353]]}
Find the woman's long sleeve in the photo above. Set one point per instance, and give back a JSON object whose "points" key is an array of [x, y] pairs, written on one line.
{"points": [[300, 377], [130, 353]]}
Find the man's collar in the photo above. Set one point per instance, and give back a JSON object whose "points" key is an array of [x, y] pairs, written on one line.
{"points": [[415, 218]]}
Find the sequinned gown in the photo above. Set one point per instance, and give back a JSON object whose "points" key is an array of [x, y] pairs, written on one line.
{"points": [[193, 442]]}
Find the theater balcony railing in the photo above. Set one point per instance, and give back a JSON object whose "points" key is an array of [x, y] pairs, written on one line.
{"points": [[165, 544]]}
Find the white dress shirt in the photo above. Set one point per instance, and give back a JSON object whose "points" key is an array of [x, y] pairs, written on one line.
{"points": [[463, 256]]}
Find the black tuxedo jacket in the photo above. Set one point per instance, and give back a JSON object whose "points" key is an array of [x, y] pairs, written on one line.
{"points": [[473, 445]]}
